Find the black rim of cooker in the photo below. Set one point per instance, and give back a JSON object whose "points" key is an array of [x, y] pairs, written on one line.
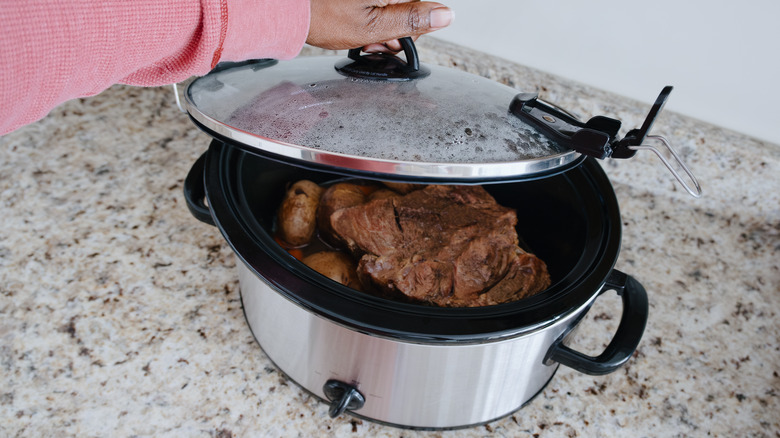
{"points": [[416, 323]]}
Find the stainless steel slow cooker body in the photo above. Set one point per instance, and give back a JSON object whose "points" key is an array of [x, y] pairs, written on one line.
{"points": [[402, 382], [411, 365]]}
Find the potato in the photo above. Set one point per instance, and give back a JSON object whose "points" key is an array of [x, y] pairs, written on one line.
{"points": [[297, 217], [335, 265], [383, 194], [336, 197], [403, 188]]}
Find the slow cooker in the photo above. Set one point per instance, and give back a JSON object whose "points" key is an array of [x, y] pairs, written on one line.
{"points": [[379, 117]]}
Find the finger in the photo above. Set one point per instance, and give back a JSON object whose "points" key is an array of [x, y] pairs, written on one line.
{"points": [[408, 19], [377, 48], [383, 3], [391, 47], [394, 45]]}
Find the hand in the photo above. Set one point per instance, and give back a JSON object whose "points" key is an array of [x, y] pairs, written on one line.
{"points": [[375, 25]]}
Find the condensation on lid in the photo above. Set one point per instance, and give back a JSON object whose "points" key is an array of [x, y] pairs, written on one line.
{"points": [[448, 117]]}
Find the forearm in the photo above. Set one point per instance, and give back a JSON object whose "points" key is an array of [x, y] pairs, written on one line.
{"points": [[56, 51]]}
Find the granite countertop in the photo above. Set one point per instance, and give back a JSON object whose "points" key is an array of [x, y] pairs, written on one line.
{"points": [[120, 313]]}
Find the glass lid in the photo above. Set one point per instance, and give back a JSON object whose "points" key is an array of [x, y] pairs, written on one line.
{"points": [[436, 124]]}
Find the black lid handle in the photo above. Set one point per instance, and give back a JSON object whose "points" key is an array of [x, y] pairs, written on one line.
{"points": [[382, 66], [410, 51]]}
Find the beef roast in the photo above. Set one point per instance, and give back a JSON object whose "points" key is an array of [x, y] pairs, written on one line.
{"points": [[444, 245]]}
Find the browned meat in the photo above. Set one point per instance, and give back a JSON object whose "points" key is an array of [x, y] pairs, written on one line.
{"points": [[444, 245]]}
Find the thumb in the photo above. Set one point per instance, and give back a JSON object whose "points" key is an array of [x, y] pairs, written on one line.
{"points": [[409, 19], [344, 24]]}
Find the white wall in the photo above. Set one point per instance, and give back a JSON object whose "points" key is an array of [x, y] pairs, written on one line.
{"points": [[723, 57]]}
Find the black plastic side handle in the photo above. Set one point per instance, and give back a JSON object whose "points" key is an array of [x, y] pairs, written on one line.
{"points": [[626, 339], [195, 192], [592, 138]]}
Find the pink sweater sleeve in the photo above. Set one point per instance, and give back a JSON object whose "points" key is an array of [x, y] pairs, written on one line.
{"points": [[52, 51]]}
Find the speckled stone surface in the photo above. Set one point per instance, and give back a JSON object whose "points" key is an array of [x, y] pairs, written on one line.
{"points": [[120, 313]]}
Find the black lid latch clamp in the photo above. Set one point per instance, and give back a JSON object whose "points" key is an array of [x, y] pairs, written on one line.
{"points": [[598, 137]]}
